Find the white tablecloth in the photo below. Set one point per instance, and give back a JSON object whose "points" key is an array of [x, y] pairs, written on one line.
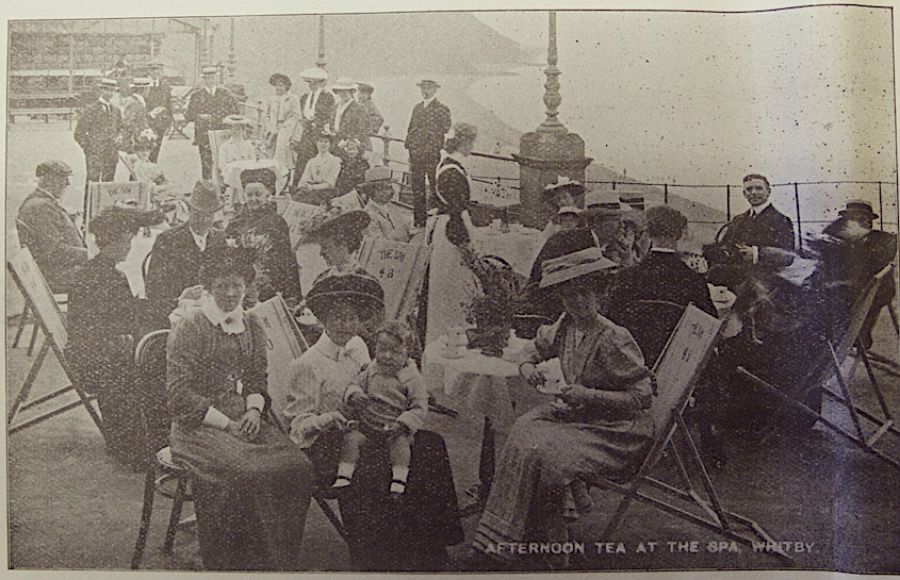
{"points": [[519, 248], [487, 386]]}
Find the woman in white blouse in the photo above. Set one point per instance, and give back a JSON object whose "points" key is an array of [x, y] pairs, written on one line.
{"points": [[282, 115]]}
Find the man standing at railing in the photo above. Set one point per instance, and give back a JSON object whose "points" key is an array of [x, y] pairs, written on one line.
{"points": [[96, 131], [428, 124], [159, 106], [374, 119], [207, 108]]}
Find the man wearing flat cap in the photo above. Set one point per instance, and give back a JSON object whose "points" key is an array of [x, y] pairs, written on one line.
{"points": [[96, 131], [429, 122], [134, 113], [207, 108], [159, 105], [175, 258], [48, 231], [316, 116]]}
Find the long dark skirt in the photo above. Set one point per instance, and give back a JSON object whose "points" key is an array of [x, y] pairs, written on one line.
{"points": [[251, 497], [411, 533]]}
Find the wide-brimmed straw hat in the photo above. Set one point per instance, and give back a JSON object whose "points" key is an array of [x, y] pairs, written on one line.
{"points": [[859, 207], [565, 183], [338, 224], [141, 83], [356, 288], [575, 265], [377, 175], [344, 84], [237, 120], [204, 198], [314, 74], [124, 220]]}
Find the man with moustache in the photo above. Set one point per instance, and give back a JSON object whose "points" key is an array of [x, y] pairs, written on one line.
{"points": [[159, 106]]}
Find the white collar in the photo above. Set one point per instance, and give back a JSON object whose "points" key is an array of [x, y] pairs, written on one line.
{"points": [[200, 240], [456, 156], [104, 101], [354, 348], [426, 102], [210, 90], [230, 322], [760, 208]]}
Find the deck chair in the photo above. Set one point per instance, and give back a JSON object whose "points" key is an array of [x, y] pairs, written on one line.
{"points": [[27, 276], [829, 368], [651, 323], [681, 362]]}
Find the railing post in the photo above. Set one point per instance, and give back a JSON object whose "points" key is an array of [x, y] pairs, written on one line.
{"points": [[799, 222], [386, 145], [728, 203], [880, 208], [259, 120], [666, 193]]}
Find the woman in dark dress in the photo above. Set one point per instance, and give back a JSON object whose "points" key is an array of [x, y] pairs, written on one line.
{"points": [[251, 484], [411, 533], [353, 167], [258, 225], [104, 321]]}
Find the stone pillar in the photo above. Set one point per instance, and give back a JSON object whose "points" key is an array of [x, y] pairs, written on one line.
{"points": [[550, 151]]}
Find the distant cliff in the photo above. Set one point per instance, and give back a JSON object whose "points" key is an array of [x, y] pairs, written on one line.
{"points": [[361, 46]]}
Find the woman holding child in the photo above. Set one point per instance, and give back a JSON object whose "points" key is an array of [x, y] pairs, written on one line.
{"points": [[398, 517]]}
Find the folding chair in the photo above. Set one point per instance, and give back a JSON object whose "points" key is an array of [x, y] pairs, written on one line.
{"points": [[651, 322], [49, 317], [681, 362], [26, 239], [830, 368]]}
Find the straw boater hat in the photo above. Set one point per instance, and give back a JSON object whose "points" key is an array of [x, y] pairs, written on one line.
{"points": [[603, 203], [336, 225], [428, 82], [155, 64], [356, 288], [343, 84], [237, 120], [569, 210], [564, 183], [575, 265], [314, 74], [108, 83], [209, 70], [141, 83], [859, 207], [205, 198], [376, 176]]}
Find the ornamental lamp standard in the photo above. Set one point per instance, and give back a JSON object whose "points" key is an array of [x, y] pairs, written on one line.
{"points": [[550, 151]]}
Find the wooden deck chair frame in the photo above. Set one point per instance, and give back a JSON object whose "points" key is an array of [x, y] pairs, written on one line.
{"points": [[831, 369], [40, 301], [681, 362], [123, 157], [216, 138]]}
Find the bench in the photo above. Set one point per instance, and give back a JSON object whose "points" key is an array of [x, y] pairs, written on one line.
{"points": [[45, 112]]}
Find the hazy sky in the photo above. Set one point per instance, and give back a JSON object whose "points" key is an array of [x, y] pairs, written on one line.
{"points": [[802, 94]]}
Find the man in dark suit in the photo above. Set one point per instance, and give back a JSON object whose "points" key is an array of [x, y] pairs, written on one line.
{"points": [[98, 127], [134, 114], [374, 118], [176, 254], [48, 231], [429, 122], [159, 106], [316, 116], [662, 275], [207, 108], [349, 121]]}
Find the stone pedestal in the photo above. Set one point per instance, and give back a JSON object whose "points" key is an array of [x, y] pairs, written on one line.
{"points": [[542, 158]]}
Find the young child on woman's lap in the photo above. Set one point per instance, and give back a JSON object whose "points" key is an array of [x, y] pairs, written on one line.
{"points": [[390, 402]]}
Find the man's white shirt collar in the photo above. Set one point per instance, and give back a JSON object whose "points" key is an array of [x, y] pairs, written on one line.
{"points": [[760, 208], [426, 102], [200, 240]]}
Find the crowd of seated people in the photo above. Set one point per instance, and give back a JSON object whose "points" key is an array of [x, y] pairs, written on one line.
{"points": [[357, 426]]}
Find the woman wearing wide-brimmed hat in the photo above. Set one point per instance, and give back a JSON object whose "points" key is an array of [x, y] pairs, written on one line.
{"points": [[236, 148], [600, 427], [339, 235], [282, 115], [563, 193], [251, 485], [105, 322], [383, 534]]}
